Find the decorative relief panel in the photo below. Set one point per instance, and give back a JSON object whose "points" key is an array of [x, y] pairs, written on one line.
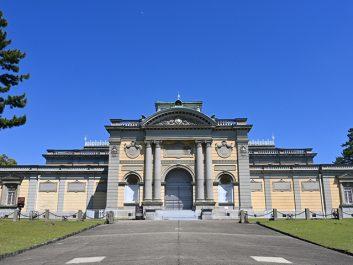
{"points": [[255, 185], [76, 186], [114, 150], [243, 150], [132, 150], [311, 185], [178, 150], [177, 121], [48, 186], [225, 167], [282, 186], [224, 150]]}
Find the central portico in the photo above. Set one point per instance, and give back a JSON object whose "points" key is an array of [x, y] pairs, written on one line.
{"points": [[178, 159]]}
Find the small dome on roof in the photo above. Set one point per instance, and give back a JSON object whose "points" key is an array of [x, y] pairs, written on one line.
{"points": [[178, 103]]}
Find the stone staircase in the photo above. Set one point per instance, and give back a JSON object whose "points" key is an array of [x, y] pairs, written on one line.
{"points": [[176, 215]]}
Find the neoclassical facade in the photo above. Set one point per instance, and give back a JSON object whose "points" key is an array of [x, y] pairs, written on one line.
{"points": [[178, 162]]}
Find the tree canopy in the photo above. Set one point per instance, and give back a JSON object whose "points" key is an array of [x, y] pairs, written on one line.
{"points": [[10, 77], [6, 161], [347, 153]]}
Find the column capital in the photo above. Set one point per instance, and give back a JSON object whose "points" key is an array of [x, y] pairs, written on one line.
{"points": [[148, 143], [157, 143], [198, 143], [208, 143]]}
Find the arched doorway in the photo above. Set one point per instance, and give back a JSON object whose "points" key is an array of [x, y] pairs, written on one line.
{"points": [[178, 190]]}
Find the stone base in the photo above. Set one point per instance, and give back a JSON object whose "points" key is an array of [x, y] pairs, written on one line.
{"points": [[152, 205], [199, 205], [206, 214]]}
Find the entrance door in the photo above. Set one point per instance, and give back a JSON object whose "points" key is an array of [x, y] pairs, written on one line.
{"points": [[178, 190]]}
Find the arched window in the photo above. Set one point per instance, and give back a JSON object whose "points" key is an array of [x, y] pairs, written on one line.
{"points": [[132, 189], [225, 189]]}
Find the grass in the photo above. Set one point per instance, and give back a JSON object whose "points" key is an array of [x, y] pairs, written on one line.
{"points": [[24, 234], [336, 234]]}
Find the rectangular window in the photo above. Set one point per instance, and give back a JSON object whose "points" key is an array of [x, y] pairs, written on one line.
{"points": [[348, 195], [11, 196]]}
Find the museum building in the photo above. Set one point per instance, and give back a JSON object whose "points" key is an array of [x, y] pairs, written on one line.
{"points": [[178, 163]]}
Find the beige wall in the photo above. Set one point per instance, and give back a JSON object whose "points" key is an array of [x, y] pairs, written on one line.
{"points": [[121, 196], [236, 196], [283, 200], [310, 199], [74, 201], [47, 200], [335, 192], [24, 192], [258, 197], [191, 143]]}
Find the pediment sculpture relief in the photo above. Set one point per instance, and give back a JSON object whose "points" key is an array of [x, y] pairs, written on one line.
{"points": [[224, 149], [176, 121], [133, 150]]}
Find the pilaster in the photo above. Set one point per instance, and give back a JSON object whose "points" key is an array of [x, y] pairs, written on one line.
{"points": [[297, 197], [90, 192], [327, 198], [113, 174], [61, 193], [32, 193], [244, 173], [268, 196]]}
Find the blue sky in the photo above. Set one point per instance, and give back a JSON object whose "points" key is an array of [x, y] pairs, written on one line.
{"points": [[285, 65]]}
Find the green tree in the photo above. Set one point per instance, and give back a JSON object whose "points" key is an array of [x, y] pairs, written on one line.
{"points": [[6, 161], [10, 77], [347, 153]]}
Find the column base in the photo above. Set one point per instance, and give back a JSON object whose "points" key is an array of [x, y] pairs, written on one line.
{"points": [[204, 204], [152, 204]]}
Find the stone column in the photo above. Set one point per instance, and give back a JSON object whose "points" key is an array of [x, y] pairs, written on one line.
{"points": [[32, 193], [209, 179], [148, 172], [113, 176], [244, 172], [200, 196], [157, 172]]}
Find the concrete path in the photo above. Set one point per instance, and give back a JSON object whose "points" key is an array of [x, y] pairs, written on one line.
{"points": [[179, 242]]}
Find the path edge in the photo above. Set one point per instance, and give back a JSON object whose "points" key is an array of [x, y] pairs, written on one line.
{"points": [[305, 240], [11, 254]]}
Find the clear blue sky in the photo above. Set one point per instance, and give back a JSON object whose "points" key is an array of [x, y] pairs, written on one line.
{"points": [[285, 65]]}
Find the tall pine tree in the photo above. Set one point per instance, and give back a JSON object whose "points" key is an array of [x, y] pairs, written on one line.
{"points": [[10, 77], [347, 153]]}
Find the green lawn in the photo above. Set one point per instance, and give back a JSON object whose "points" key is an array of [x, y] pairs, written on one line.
{"points": [[330, 233], [23, 234]]}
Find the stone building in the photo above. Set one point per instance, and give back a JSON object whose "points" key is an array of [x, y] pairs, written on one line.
{"points": [[177, 163]]}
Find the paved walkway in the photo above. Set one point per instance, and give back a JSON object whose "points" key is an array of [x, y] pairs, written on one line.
{"points": [[179, 242]]}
